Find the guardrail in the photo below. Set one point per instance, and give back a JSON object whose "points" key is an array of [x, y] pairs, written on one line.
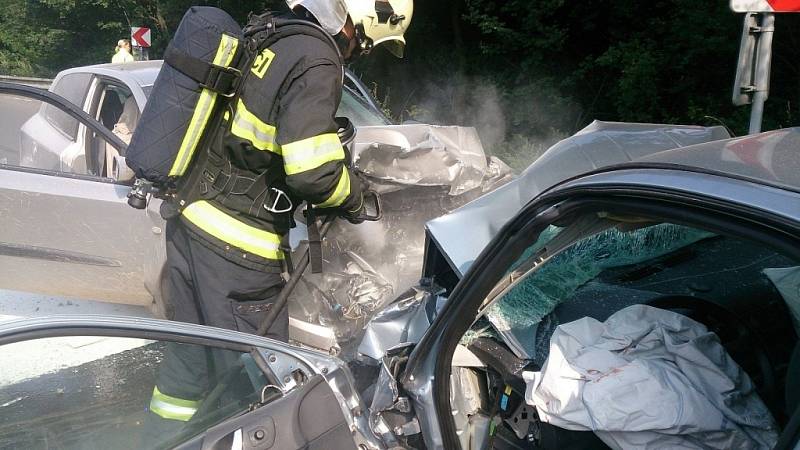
{"points": [[43, 83]]}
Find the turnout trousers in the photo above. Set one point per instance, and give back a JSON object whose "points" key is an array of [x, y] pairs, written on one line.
{"points": [[207, 289]]}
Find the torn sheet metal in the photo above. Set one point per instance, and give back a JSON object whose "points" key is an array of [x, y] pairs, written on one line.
{"points": [[425, 155], [405, 321], [423, 172], [390, 409], [462, 235], [649, 378]]}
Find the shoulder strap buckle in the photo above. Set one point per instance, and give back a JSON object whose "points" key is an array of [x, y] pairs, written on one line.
{"points": [[223, 80], [220, 79]]}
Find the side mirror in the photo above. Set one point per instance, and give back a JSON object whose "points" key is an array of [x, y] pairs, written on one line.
{"points": [[122, 173]]}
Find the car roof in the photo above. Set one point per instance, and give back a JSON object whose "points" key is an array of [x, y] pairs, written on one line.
{"points": [[771, 158], [141, 73]]}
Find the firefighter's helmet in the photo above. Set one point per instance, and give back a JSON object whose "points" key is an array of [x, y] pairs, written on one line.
{"points": [[381, 22], [376, 21]]}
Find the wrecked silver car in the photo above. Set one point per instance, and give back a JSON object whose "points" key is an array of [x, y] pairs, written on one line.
{"points": [[672, 242]]}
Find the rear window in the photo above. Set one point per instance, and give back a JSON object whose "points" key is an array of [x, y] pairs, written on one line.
{"points": [[73, 88]]}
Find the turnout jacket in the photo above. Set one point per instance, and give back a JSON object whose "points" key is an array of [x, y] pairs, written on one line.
{"points": [[281, 141]]}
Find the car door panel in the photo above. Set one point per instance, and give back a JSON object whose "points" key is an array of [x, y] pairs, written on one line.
{"points": [[69, 234], [73, 237], [307, 418], [73, 379]]}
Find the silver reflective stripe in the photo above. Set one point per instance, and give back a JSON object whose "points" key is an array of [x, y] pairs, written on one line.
{"points": [[249, 127], [174, 412]]}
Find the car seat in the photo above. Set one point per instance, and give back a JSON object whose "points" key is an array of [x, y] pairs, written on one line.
{"points": [[111, 109], [123, 129]]}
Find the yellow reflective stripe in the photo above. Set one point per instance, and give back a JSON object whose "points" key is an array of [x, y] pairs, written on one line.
{"points": [[308, 154], [202, 112], [172, 408], [225, 228], [341, 192], [250, 128], [262, 63]]}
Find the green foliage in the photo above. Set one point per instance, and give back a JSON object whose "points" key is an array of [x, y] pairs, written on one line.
{"points": [[524, 72], [555, 66], [42, 37]]}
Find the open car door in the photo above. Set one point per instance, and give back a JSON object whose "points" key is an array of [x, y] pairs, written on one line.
{"points": [[114, 383], [67, 229]]}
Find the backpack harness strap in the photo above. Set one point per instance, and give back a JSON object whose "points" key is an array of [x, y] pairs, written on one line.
{"points": [[222, 80]]}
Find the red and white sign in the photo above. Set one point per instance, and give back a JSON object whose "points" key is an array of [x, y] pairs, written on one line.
{"points": [[140, 37], [765, 5]]}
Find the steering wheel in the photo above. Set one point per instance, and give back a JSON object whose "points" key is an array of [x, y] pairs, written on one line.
{"points": [[740, 339]]}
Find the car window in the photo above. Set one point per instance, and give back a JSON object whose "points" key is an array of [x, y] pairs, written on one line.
{"points": [[29, 140], [360, 115], [350, 107], [601, 295], [94, 392], [116, 108], [73, 87]]}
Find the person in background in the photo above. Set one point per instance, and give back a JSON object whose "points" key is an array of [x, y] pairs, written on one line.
{"points": [[123, 52]]}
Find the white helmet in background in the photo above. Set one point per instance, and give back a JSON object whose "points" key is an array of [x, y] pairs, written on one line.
{"points": [[381, 22], [331, 14]]}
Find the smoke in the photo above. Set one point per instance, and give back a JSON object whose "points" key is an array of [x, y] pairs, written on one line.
{"points": [[517, 124]]}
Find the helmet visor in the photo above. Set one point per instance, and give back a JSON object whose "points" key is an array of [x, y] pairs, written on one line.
{"points": [[331, 14]]}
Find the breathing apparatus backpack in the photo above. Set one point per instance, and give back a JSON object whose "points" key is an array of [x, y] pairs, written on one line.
{"points": [[205, 65]]}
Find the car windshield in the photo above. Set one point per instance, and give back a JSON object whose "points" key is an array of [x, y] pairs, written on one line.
{"points": [[361, 116]]}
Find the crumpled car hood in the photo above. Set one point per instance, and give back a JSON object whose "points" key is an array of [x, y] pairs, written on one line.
{"points": [[462, 235]]}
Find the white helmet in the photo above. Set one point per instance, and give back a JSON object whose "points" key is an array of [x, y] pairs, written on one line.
{"points": [[331, 14], [382, 22]]}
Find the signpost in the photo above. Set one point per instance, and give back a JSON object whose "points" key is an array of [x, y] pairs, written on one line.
{"points": [[755, 53], [141, 39]]}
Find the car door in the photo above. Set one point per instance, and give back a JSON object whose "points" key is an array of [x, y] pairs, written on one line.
{"points": [[96, 383], [68, 231]]}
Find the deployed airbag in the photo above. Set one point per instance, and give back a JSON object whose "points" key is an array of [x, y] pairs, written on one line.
{"points": [[649, 378]]}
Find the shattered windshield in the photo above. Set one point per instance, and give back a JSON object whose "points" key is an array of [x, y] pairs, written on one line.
{"points": [[566, 260]]}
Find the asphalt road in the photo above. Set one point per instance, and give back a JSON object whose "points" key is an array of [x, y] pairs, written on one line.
{"points": [[98, 405]]}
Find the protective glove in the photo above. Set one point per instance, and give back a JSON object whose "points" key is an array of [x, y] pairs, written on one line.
{"points": [[354, 217], [369, 208]]}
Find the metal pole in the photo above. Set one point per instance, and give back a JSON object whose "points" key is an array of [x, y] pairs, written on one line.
{"points": [[287, 290], [763, 68]]}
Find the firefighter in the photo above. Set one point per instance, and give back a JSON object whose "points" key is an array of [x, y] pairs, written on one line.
{"points": [[225, 256]]}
